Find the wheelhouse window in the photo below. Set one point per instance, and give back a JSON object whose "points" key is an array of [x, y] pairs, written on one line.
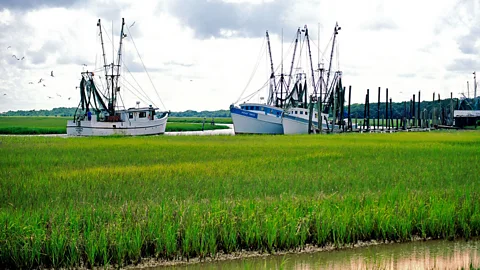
{"points": [[142, 114], [130, 115], [306, 113]]}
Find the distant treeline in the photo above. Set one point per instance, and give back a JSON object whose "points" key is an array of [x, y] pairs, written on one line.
{"points": [[62, 111], [357, 110]]}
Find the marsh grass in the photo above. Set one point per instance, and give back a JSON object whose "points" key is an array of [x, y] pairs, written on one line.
{"points": [[67, 202], [58, 125]]}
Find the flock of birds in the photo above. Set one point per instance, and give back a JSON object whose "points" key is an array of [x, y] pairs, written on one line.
{"points": [[51, 72], [41, 79]]}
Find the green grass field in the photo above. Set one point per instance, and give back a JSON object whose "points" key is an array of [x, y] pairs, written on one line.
{"points": [[66, 202], [57, 125]]}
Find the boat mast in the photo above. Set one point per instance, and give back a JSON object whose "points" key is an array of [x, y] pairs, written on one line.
{"points": [[272, 75], [311, 63], [293, 58], [122, 35], [331, 54], [103, 51]]}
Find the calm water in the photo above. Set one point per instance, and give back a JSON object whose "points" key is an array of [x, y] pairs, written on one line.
{"points": [[416, 255]]}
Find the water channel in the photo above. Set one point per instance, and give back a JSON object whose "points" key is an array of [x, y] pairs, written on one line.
{"points": [[433, 254]]}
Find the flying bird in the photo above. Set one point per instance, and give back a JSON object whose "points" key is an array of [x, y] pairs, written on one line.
{"points": [[30, 83], [51, 73], [132, 24], [4, 94], [49, 96], [9, 47], [13, 55], [41, 79], [23, 58], [58, 95], [44, 85], [69, 98]]}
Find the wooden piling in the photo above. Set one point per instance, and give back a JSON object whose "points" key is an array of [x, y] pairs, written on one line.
{"points": [[414, 118], [368, 109], [419, 110], [451, 109], [349, 100], [342, 96], [391, 115], [378, 109], [386, 108]]}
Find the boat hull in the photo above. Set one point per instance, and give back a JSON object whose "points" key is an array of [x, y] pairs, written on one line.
{"points": [[297, 125], [126, 128], [248, 122]]}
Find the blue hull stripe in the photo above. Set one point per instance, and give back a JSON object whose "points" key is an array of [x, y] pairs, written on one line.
{"points": [[244, 113]]}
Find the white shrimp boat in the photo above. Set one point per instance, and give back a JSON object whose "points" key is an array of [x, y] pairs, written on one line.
{"points": [[98, 113], [262, 118], [296, 121], [255, 118]]}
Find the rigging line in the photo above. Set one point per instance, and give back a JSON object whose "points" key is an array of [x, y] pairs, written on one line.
{"points": [[148, 74], [139, 86], [257, 63], [144, 95], [127, 88], [260, 56], [256, 92]]}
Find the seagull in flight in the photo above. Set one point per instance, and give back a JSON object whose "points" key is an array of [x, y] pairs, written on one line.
{"points": [[13, 55], [4, 94], [41, 79], [44, 85], [51, 73], [69, 98], [23, 58], [58, 95], [9, 47], [30, 83], [49, 96], [132, 24]]}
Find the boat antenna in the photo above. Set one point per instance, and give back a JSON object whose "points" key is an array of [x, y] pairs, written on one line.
{"points": [[282, 54], [103, 51], [318, 42], [272, 75]]}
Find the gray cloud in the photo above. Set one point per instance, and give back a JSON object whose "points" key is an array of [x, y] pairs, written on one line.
{"points": [[34, 4], [467, 43], [216, 18], [465, 14], [463, 65], [380, 24]]}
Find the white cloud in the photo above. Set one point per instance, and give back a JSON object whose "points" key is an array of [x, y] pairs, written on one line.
{"points": [[200, 54]]}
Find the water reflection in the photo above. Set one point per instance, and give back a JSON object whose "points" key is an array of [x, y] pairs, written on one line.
{"points": [[416, 255]]}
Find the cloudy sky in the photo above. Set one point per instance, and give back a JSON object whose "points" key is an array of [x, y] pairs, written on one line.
{"points": [[200, 54]]}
